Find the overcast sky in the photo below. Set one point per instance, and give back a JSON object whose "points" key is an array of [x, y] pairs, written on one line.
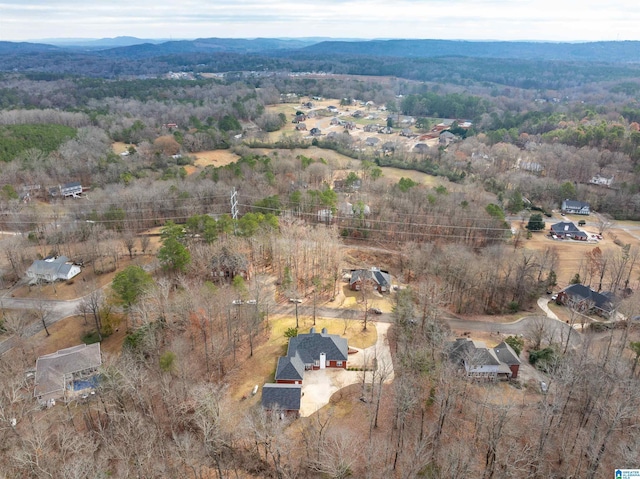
{"points": [[559, 20]]}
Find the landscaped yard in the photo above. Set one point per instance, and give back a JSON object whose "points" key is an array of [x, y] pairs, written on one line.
{"points": [[260, 368]]}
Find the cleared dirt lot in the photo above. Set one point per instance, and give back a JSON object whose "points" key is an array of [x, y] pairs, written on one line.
{"points": [[215, 158]]}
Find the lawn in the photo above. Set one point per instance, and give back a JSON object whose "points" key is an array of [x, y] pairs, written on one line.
{"points": [[260, 368]]}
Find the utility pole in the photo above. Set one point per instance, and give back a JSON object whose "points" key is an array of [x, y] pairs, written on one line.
{"points": [[234, 209]]}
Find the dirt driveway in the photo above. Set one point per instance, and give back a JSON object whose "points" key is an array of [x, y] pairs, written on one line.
{"points": [[318, 386]]}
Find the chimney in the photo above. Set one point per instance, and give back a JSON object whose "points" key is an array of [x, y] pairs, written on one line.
{"points": [[324, 330]]}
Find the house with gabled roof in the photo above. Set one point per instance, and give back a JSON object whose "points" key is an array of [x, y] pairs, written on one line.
{"points": [[52, 269], [380, 279], [290, 370], [66, 373], [319, 350], [575, 207], [584, 299], [601, 180], [284, 398], [305, 352], [567, 229], [507, 355], [372, 141], [481, 362]]}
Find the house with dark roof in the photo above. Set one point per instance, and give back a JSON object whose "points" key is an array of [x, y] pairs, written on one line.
{"points": [[319, 350], [284, 398], [305, 352], [575, 207], [52, 269], [380, 279], [290, 370], [508, 356], [228, 264], [566, 229], [585, 300], [481, 362], [372, 141]]}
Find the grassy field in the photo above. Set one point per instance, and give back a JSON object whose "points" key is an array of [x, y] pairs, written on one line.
{"points": [[215, 158]]}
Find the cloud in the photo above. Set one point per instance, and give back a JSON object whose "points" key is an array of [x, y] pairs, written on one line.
{"points": [[470, 19]]}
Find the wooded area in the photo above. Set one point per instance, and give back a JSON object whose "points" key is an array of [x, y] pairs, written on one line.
{"points": [[187, 266]]}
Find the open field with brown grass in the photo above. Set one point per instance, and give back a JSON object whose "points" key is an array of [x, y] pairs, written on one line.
{"points": [[214, 158]]}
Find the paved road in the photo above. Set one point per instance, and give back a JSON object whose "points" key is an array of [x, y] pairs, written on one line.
{"points": [[56, 311], [63, 309], [555, 328]]}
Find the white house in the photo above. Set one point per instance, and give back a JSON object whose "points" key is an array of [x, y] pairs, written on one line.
{"points": [[575, 207], [52, 269], [601, 180]]}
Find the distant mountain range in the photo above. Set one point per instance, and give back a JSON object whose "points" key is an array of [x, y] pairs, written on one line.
{"points": [[627, 51], [132, 47], [114, 57]]}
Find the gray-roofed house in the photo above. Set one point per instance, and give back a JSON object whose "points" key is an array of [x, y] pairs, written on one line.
{"points": [[508, 356], [372, 141], [388, 146], [284, 398], [446, 137], [66, 373], [290, 370], [52, 269], [319, 350], [73, 189], [305, 352], [380, 279], [479, 361], [584, 299], [566, 229], [421, 148], [575, 207]]}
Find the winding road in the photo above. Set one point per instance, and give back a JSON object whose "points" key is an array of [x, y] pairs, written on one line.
{"points": [[58, 310]]}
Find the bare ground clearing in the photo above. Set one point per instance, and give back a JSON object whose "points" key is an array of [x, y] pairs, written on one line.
{"points": [[215, 158]]}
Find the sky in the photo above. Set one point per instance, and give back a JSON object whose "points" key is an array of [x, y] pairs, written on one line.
{"points": [[545, 20]]}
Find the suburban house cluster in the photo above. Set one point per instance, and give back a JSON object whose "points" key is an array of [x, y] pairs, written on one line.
{"points": [[481, 362], [305, 352]]}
